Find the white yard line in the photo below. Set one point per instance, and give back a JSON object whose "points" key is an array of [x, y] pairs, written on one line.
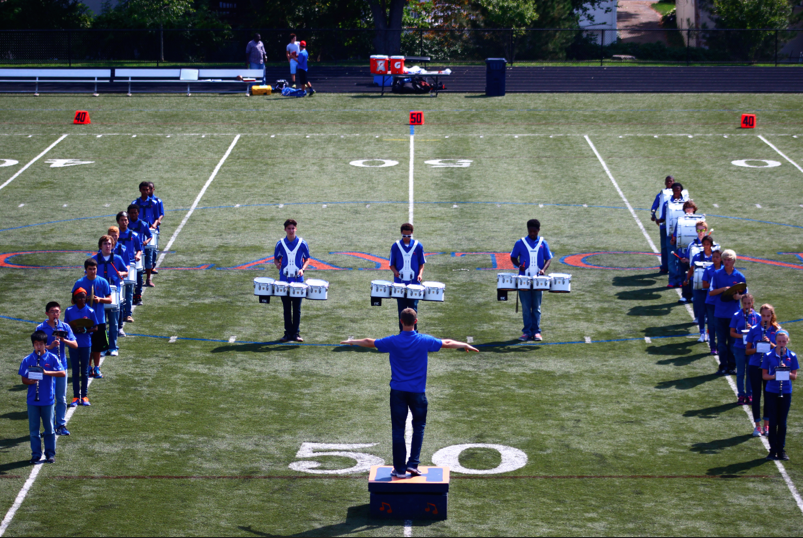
{"points": [[21, 170], [411, 181], [793, 163], [197, 201], [26, 488], [729, 379]]}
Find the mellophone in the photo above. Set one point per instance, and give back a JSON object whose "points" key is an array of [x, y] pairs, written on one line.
{"points": [[554, 283], [314, 289], [426, 291]]}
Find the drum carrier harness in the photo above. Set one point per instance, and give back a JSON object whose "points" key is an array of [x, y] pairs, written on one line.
{"points": [[291, 271], [406, 272], [533, 256]]}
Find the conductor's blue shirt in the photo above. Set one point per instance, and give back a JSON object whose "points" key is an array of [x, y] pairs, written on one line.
{"points": [[408, 359]]}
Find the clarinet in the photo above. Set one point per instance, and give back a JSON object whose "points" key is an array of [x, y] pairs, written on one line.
{"points": [[38, 357], [781, 365]]}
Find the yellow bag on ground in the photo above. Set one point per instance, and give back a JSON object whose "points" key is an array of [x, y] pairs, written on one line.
{"points": [[261, 90]]}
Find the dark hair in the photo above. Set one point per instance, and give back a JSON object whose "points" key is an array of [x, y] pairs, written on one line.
{"points": [[691, 204], [39, 336], [133, 207], [289, 222], [669, 177], [407, 226], [90, 262], [292, 36], [257, 37], [151, 184], [143, 184], [407, 317], [120, 215], [104, 238], [709, 239], [677, 185], [50, 305], [533, 224]]}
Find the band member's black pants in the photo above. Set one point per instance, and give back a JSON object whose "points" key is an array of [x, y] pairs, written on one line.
{"points": [[292, 315]]}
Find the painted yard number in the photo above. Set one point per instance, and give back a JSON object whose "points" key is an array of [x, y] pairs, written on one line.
{"points": [[434, 163], [512, 458]]}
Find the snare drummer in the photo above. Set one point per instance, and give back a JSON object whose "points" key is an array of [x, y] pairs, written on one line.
{"points": [[143, 229], [99, 294], [725, 308], [149, 213], [160, 212], [407, 263], [656, 206], [291, 256], [133, 247], [711, 301], [532, 256], [114, 270], [763, 334], [702, 256]]}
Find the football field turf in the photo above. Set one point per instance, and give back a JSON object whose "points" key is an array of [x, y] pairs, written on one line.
{"points": [[206, 425]]}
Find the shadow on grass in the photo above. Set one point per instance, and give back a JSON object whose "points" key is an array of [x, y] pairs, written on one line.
{"points": [[715, 447], [687, 382], [646, 294], [684, 361], [353, 349], [264, 347], [358, 520], [633, 281], [15, 415], [675, 349], [508, 346], [710, 412], [18, 388], [651, 310], [678, 329], [735, 468]]}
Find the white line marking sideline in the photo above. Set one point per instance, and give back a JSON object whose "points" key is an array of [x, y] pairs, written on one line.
{"points": [[781, 468], [793, 163], [21, 170], [26, 488], [197, 201]]}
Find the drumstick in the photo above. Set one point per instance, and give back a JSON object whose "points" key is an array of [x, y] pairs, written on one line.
{"points": [[517, 301]]}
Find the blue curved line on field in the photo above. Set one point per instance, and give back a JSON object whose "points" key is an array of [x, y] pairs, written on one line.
{"points": [[397, 202]]}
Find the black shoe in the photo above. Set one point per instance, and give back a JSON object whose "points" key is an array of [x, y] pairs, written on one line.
{"points": [[721, 372], [34, 461], [783, 456], [732, 371], [154, 272], [285, 338], [51, 459], [771, 457]]}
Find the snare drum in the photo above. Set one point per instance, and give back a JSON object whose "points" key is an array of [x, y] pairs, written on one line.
{"points": [[699, 271], [398, 290], [561, 283], [263, 286], [433, 291], [381, 289], [154, 244], [139, 266], [524, 282], [280, 288], [298, 289], [542, 282], [687, 229], [506, 281], [115, 304], [131, 277], [415, 292], [318, 289]]}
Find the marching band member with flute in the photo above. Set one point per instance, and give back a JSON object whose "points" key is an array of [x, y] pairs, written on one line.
{"points": [[291, 256], [407, 263], [59, 335], [114, 270], [725, 307], [38, 371], [741, 323], [532, 256], [760, 341], [99, 294], [779, 368]]}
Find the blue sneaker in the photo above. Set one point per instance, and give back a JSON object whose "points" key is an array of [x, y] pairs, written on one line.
{"points": [[85, 401], [62, 430], [75, 402], [97, 373]]}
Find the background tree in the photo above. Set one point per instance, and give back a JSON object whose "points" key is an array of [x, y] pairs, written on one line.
{"points": [[44, 15], [751, 15]]}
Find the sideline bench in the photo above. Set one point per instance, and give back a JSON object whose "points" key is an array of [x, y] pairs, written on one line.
{"points": [[188, 77], [58, 76]]}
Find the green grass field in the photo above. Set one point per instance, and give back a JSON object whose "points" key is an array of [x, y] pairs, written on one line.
{"points": [[623, 435]]}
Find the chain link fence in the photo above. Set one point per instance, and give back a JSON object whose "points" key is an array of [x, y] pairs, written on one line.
{"points": [[345, 46]]}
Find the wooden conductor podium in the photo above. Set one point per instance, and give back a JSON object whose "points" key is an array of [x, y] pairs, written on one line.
{"points": [[422, 497]]}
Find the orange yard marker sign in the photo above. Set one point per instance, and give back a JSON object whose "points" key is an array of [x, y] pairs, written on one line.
{"points": [[81, 117]]}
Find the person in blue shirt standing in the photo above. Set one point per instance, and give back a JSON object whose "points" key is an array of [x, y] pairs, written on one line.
{"points": [[38, 371], [59, 335], [133, 247], [303, 58], [725, 308], [99, 294], [407, 263], [763, 335], [532, 256], [743, 320], [143, 230], [160, 215], [679, 196], [79, 356], [779, 392], [698, 296], [710, 300], [149, 214], [112, 268], [408, 383], [656, 206], [291, 257]]}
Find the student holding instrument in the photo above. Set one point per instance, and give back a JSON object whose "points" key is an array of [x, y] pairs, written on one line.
{"points": [[727, 304], [699, 296], [779, 368], [657, 205], [133, 246], [408, 382], [291, 257], [38, 371], [82, 320], [113, 269], [710, 300], [741, 323], [760, 341], [59, 335], [407, 263], [532, 256], [142, 229], [99, 294]]}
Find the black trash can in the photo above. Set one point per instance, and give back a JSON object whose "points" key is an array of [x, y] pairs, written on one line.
{"points": [[495, 77]]}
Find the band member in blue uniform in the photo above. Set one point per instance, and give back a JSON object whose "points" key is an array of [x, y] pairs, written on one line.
{"points": [[725, 308], [59, 336], [705, 255], [679, 197], [143, 229], [532, 256], [113, 269], [408, 383], [407, 263], [99, 294], [777, 363], [760, 341], [656, 206], [710, 300], [133, 247], [743, 320], [291, 256], [148, 213]]}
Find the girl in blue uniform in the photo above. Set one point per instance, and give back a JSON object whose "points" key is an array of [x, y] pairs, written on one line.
{"points": [[779, 392], [760, 341], [710, 300], [743, 320], [705, 255]]}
